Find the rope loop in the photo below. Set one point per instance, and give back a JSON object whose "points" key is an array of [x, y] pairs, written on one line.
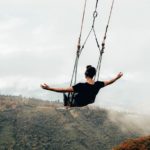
{"points": [[95, 14]]}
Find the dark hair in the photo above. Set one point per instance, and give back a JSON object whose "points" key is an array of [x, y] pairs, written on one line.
{"points": [[90, 71]]}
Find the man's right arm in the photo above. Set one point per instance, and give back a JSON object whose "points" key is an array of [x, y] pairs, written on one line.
{"points": [[108, 82], [63, 90]]}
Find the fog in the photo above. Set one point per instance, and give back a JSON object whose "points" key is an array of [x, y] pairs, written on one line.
{"points": [[38, 44]]}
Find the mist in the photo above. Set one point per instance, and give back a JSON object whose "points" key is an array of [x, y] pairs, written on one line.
{"points": [[137, 123], [38, 42]]}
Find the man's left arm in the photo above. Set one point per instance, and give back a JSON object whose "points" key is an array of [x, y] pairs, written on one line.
{"points": [[108, 82]]}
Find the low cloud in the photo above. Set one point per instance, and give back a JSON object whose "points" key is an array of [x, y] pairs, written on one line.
{"points": [[128, 122]]}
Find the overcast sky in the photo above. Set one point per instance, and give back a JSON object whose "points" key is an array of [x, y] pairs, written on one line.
{"points": [[38, 41]]}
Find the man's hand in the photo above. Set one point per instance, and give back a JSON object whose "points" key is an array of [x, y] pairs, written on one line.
{"points": [[45, 86], [120, 74]]}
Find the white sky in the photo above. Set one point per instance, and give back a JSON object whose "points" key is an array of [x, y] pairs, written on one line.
{"points": [[38, 43]]}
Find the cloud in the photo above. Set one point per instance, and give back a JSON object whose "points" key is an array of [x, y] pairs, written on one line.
{"points": [[129, 121], [38, 44], [27, 87]]}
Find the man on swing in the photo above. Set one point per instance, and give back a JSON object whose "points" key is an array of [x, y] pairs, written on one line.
{"points": [[83, 93]]}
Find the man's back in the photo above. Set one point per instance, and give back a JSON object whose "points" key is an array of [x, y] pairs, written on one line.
{"points": [[85, 93]]}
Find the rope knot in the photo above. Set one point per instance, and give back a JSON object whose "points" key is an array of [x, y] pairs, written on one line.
{"points": [[78, 52], [78, 47], [103, 45], [102, 51]]}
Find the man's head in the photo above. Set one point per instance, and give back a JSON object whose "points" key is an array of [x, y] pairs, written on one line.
{"points": [[90, 71]]}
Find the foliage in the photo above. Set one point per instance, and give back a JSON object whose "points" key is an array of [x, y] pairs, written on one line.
{"points": [[142, 143], [35, 124]]}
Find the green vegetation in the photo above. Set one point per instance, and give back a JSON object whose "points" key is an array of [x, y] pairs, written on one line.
{"points": [[30, 124]]}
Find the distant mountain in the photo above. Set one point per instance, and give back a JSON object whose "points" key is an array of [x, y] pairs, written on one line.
{"points": [[27, 124], [142, 143], [36, 92]]}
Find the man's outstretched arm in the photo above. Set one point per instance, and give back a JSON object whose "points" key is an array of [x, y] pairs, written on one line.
{"points": [[114, 79], [62, 90]]}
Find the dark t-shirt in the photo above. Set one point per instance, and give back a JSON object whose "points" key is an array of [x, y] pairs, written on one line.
{"points": [[85, 93]]}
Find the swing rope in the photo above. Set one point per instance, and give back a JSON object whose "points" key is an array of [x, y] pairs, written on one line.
{"points": [[75, 69], [104, 40], [80, 48]]}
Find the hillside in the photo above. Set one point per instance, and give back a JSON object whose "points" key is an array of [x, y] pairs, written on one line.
{"points": [[142, 143], [42, 125]]}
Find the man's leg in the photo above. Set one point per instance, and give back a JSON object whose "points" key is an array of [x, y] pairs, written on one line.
{"points": [[66, 100]]}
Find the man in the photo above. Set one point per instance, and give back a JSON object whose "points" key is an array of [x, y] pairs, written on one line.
{"points": [[83, 93]]}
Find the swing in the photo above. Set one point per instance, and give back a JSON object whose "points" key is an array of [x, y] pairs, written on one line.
{"points": [[70, 98]]}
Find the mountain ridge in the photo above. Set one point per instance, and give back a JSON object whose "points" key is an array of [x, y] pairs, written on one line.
{"points": [[35, 124]]}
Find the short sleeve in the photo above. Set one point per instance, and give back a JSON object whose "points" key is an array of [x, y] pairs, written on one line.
{"points": [[77, 87], [101, 84]]}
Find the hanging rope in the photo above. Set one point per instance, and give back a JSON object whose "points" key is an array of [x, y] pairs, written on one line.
{"points": [[79, 40], [104, 40], [75, 69], [95, 14], [80, 48]]}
